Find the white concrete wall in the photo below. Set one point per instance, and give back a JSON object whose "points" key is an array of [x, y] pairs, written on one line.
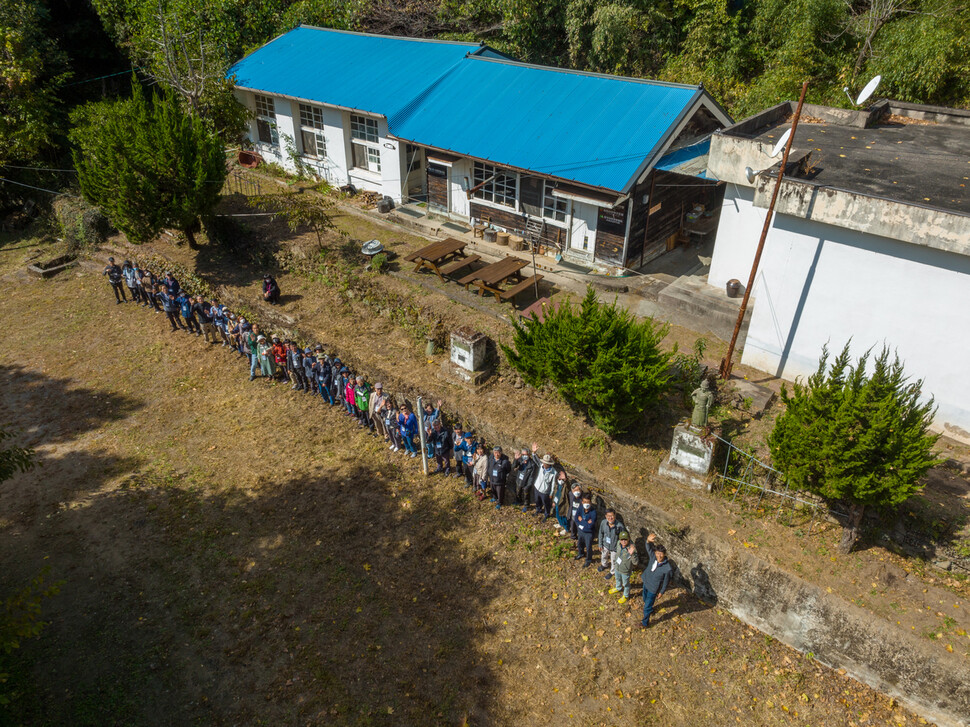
{"points": [[821, 284]]}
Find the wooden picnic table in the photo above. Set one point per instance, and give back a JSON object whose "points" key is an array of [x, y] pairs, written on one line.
{"points": [[492, 276], [434, 255]]}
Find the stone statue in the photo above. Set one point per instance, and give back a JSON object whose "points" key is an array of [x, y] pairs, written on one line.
{"points": [[703, 398]]}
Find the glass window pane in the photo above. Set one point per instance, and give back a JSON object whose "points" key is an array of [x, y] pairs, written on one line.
{"points": [[309, 143]]}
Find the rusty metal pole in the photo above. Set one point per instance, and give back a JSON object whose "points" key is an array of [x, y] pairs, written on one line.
{"points": [[725, 371]]}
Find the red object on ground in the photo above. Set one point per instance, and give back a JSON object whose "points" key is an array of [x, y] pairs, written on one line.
{"points": [[249, 159]]}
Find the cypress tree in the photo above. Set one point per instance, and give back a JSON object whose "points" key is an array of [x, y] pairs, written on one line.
{"points": [[148, 165], [856, 439]]}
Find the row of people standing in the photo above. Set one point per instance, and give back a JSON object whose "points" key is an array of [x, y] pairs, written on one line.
{"points": [[533, 483]]}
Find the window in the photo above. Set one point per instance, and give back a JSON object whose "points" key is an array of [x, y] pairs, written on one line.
{"points": [[311, 131], [363, 128], [266, 120], [553, 208], [412, 157], [366, 153], [496, 186]]}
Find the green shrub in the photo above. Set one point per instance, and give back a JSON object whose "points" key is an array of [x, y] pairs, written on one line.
{"points": [[855, 439], [599, 357], [378, 263], [80, 224]]}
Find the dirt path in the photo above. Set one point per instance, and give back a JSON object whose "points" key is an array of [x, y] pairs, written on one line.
{"points": [[236, 553]]}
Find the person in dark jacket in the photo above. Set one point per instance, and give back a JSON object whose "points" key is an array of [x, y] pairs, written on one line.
{"points": [[441, 441], [656, 577], [466, 451], [610, 528], [271, 290], [170, 306], [497, 473], [171, 285], [149, 288], [294, 361], [408, 426], [116, 279], [130, 275], [574, 503], [586, 525], [308, 372], [202, 311], [524, 470], [324, 373]]}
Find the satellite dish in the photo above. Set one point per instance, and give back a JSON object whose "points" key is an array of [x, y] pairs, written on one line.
{"points": [[868, 90], [865, 93], [781, 143], [749, 175]]}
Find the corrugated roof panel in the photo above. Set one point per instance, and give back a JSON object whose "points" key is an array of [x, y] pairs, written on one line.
{"points": [[589, 128], [378, 74]]}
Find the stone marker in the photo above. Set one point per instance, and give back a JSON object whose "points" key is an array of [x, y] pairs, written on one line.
{"points": [[691, 455]]}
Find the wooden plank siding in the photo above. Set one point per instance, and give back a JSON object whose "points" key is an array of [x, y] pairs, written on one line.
{"points": [[508, 219], [610, 234], [437, 185]]}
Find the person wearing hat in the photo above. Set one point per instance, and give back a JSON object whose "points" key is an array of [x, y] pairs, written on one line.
{"points": [[465, 454], [375, 405], [323, 374], [545, 482], [266, 362], [585, 520], [130, 275], [610, 527], [625, 557], [656, 577], [271, 290], [496, 474], [525, 470], [441, 440], [115, 280]]}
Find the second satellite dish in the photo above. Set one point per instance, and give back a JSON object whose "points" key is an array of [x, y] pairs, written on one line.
{"points": [[865, 93], [781, 143]]}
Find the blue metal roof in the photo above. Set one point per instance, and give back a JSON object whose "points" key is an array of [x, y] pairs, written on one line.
{"points": [[373, 73], [589, 128]]}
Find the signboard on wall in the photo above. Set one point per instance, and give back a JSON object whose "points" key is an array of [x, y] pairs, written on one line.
{"points": [[434, 170], [612, 221]]}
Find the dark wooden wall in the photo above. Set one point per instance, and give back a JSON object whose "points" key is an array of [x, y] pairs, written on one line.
{"points": [[510, 220], [437, 185], [610, 233]]}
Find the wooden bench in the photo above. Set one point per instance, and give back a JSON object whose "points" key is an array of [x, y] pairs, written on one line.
{"points": [[515, 290], [456, 265]]}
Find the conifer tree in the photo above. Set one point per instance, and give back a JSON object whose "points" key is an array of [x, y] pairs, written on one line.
{"points": [[602, 360], [856, 439], [148, 165]]}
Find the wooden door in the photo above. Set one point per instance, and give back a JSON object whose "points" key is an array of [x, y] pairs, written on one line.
{"points": [[437, 185]]}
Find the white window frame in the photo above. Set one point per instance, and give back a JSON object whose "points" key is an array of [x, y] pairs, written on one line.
{"points": [[365, 150], [266, 114], [554, 209], [312, 128], [498, 186]]}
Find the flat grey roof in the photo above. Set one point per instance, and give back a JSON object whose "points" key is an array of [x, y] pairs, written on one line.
{"points": [[900, 158]]}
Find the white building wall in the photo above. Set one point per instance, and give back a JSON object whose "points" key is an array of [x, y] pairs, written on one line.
{"points": [[820, 284], [460, 181]]}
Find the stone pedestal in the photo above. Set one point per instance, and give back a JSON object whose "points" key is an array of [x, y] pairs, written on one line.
{"points": [[690, 458], [468, 349]]}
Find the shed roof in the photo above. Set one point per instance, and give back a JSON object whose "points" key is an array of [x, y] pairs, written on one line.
{"points": [[373, 73]]}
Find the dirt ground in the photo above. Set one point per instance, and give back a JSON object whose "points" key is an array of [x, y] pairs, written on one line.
{"points": [[237, 553]]}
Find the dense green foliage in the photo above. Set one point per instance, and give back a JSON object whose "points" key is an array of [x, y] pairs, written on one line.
{"points": [[148, 165], [857, 439], [602, 360]]}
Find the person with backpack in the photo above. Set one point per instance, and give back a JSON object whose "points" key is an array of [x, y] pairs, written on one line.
{"points": [[625, 557], [544, 483], [115, 280], [497, 472], [585, 519], [610, 528], [524, 471]]}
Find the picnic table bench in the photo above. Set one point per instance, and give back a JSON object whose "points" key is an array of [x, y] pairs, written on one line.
{"points": [[512, 292], [491, 276], [433, 255], [455, 265]]}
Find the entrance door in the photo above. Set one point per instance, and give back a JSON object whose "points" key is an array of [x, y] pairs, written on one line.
{"points": [[438, 185], [580, 236]]}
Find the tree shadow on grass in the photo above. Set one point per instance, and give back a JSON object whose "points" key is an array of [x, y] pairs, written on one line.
{"points": [[337, 599]]}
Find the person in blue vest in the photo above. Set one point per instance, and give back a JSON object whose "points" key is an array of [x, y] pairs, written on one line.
{"points": [[574, 502], [440, 440], [585, 519], [171, 307], [466, 451], [656, 577], [185, 305]]}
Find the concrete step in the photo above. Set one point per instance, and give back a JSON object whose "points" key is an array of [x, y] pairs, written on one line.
{"points": [[693, 297]]}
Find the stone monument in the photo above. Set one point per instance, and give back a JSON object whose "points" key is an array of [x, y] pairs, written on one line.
{"points": [[691, 452], [467, 361]]}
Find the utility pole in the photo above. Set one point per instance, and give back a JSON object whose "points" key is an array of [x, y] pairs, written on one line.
{"points": [[726, 364]]}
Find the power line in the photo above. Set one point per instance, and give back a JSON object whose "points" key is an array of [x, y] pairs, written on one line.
{"points": [[110, 75], [40, 189], [41, 169]]}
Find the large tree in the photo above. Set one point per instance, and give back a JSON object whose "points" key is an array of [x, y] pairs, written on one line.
{"points": [[149, 164], [856, 438]]}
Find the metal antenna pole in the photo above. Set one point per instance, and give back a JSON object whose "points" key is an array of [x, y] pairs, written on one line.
{"points": [[424, 455], [725, 371]]}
